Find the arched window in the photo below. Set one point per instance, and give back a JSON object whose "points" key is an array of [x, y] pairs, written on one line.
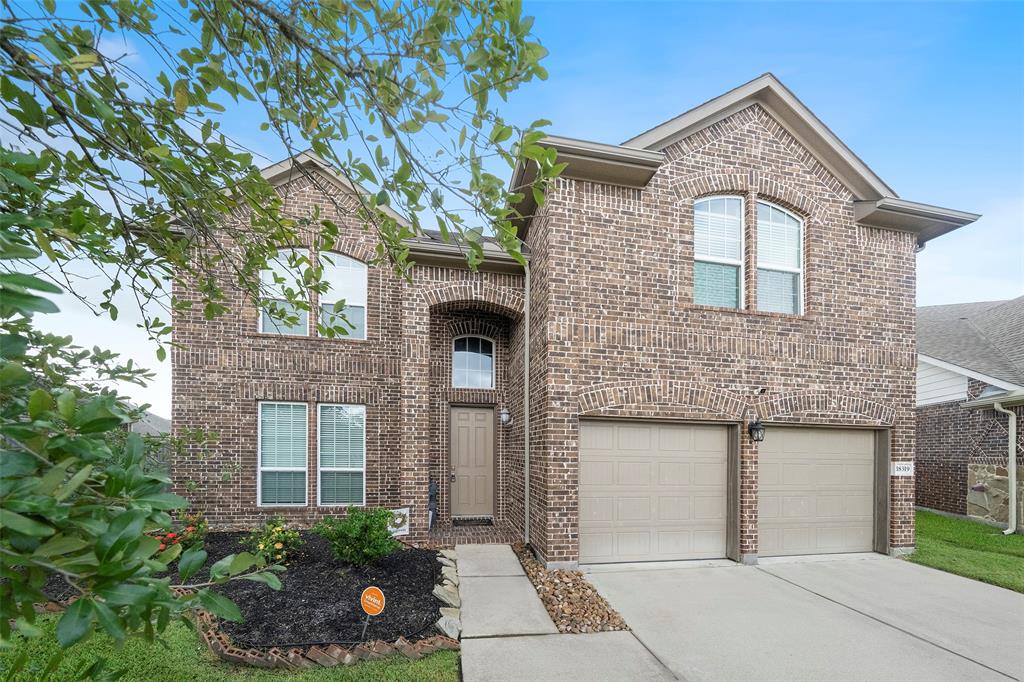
{"points": [[346, 281], [277, 281], [718, 252], [473, 362], [779, 260]]}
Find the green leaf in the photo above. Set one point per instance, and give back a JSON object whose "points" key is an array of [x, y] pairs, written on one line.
{"points": [[180, 97], [219, 605], [163, 501], [75, 623], [267, 578], [23, 525], [66, 404], [17, 464], [72, 485], [100, 425], [109, 620], [13, 374], [125, 527], [59, 545], [127, 594], [190, 563], [39, 402]]}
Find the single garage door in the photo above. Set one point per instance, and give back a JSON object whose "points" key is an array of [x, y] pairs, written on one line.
{"points": [[652, 491], [815, 491]]}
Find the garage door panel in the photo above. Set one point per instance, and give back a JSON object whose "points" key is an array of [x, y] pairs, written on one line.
{"points": [[665, 500], [815, 491]]}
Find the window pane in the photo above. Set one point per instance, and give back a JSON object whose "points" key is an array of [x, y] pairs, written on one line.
{"points": [[354, 320], [778, 292], [270, 325], [282, 435], [778, 237], [718, 228], [342, 436], [716, 284], [283, 487], [345, 279], [341, 487], [473, 367], [279, 269]]}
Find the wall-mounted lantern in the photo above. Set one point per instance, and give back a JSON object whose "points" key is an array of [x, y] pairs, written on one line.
{"points": [[504, 416], [756, 430]]}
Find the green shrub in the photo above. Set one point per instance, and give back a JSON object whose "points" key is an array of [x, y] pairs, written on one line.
{"points": [[361, 537], [194, 528], [275, 540]]}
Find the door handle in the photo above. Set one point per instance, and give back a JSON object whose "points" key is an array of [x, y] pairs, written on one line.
{"points": [[451, 477]]}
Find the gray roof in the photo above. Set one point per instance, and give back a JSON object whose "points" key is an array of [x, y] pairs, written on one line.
{"points": [[985, 337], [150, 424]]}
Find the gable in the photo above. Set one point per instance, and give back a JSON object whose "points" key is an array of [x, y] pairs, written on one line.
{"points": [[939, 385]]}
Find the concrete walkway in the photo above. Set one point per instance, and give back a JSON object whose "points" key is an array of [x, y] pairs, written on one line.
{"points": [[508, 635]]}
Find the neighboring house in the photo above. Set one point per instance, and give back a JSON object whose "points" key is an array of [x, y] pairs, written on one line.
{"points": [[150, 424], [736, 263], [970, 356]]}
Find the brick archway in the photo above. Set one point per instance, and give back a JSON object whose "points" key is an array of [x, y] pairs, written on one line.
{"points": [[825, 406], [661, 396], [490, 297]]}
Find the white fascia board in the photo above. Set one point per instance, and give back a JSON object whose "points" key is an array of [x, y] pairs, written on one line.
{"points": [[999, 383]]}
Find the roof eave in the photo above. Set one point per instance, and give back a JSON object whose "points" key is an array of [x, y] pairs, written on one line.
{"points": [[591, 161], [1012, 399], [924, 220]]}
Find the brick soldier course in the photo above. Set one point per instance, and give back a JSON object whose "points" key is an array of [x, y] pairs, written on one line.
{"points": [[614, 331]]}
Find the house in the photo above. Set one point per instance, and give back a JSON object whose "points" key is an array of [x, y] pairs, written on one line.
{"points": [[970, 361], [733, 273]]}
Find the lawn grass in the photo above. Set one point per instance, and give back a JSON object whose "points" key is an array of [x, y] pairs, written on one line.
{"points": [[185, 659], [973, 550]]}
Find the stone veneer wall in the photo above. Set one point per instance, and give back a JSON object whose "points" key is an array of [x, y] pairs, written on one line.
{"points": [[988, 493], [951, 441], [620, 335]]}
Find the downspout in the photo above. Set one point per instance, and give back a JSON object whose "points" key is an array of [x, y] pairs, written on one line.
{"points": [[526, 403], [1011, 469]]}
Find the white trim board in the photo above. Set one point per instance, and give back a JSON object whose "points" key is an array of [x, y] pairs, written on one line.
{"points": [[970, 373]]}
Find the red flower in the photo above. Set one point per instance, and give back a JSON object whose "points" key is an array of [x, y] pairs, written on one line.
{"points": [[169, 536], [190, 529], [163, 546]]}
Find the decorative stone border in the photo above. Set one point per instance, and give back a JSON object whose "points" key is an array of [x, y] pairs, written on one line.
{"points": [[450, 622], [326, 656]]}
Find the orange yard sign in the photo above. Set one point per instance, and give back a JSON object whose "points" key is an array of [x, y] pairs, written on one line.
{"points": [[372, 601]]}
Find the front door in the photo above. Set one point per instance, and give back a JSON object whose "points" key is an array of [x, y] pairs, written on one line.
{"points": [[472, 461]]}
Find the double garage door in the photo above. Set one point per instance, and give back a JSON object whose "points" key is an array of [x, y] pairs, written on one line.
{"points": [[659, 492]]}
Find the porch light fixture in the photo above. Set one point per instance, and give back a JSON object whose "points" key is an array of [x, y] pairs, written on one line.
{"points": [[504, 416], [756, 430]]}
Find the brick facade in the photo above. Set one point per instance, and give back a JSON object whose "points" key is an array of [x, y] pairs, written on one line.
{"points": [[949, 438], [617, 333], [613, 332]]}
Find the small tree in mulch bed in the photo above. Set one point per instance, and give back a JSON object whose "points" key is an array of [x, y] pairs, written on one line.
{"points": [[361, 537]]}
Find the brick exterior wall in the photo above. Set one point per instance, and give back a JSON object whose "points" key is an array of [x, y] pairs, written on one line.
{"points": [[613, 332], [617, 334], [949, 438], [401, 373]]}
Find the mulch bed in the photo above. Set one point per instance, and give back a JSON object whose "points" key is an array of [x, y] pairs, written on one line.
{"points": [[319, 600], [572, 602]]}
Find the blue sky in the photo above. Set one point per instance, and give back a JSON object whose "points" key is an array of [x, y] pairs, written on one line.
{"points": [[929, 95]]}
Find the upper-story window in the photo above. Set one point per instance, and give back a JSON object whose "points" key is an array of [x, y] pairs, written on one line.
{"points": [[718, 252], [346, 281], [779, 260], [278, 279], [473, 362]]}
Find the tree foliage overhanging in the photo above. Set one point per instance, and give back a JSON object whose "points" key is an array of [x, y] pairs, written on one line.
{"points": [[124, 169]]}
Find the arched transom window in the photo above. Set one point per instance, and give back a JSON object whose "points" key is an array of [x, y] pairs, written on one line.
{"points": [[718, 252], [779, 260], [473, 362]]}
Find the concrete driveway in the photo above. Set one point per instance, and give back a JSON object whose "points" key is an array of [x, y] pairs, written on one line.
{"points": [[858, 617]]}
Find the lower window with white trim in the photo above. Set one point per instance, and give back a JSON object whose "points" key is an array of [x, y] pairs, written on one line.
{"points": [[341, 455], [283, 454]]}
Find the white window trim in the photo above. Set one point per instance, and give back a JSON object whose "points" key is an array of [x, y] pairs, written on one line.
{"points": [[741, 300], [337, 255], [494, 361], [320, 469], [309, 313], [259, 457], [781, 268]]}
